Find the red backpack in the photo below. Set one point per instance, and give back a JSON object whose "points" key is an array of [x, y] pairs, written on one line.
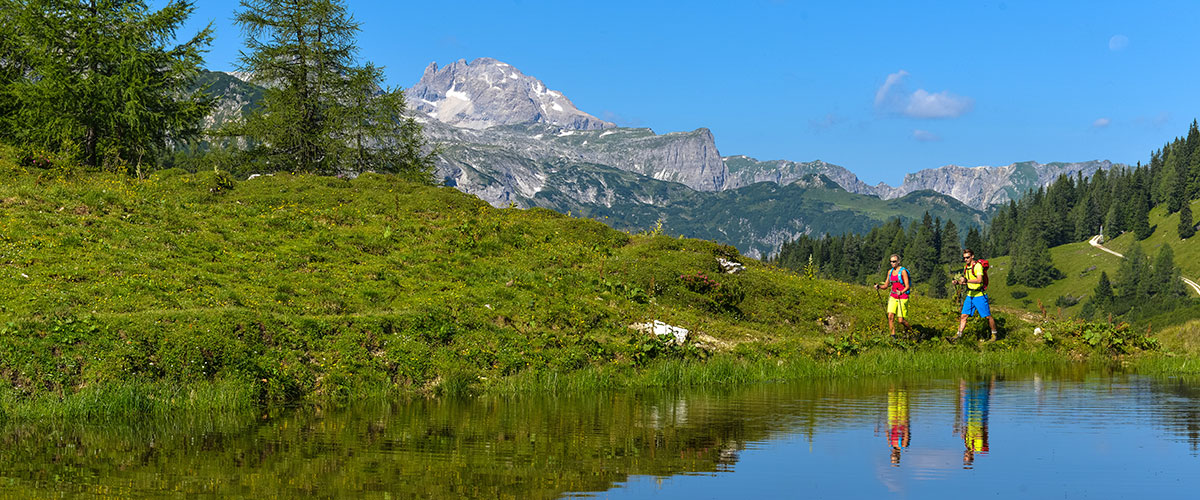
{"points": [[984, 281]]}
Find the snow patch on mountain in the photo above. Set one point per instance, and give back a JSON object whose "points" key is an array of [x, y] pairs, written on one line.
{"points": [[487, 93]]}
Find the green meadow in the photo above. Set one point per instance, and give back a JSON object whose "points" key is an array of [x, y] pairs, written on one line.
{"points": [[194, 291]]}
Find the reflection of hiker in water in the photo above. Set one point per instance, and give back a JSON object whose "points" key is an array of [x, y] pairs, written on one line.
{"points": [[898, 429], [974, 427]]}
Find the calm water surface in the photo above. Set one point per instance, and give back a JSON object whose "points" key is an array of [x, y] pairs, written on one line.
{"points": [[1029, 435]]}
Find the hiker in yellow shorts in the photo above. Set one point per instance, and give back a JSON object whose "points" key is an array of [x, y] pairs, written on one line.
{"points": [[897, 281]]}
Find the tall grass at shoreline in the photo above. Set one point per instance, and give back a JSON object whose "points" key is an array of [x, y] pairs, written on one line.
{"points": [[124, 400], [732, 372]]}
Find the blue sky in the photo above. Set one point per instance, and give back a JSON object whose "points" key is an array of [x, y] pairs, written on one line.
{"points": [[882, 88]]}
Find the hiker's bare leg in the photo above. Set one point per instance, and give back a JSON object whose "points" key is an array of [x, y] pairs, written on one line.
{"points": [[891, 324], [992, 322], [962, 325]]}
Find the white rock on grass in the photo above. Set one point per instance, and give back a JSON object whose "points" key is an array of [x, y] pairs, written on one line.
{"points": [[730, 266], [678, 334]]}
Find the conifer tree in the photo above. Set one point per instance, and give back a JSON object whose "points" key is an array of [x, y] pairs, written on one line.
{"points": [[937, 240], [1031, 264], [1088, 219], [920, 255], [1103, 294], [938, 283], [1178, 196], [103, 80], [1166, 284], [1187, 226], [12, 66], [899, 241], [950, 244], [1139, 218], [1171, 175], [974, 241], [1193, 178], [321, 112], [1114, 222], [1133, 277]]}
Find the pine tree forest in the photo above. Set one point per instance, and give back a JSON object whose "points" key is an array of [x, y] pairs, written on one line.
{"points": [[1070, 209]]}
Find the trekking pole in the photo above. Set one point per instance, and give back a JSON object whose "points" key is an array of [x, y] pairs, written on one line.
{"points": [[959, 293], [882, 304]]}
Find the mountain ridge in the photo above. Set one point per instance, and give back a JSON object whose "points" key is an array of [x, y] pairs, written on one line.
{"points": [[498, 143]]}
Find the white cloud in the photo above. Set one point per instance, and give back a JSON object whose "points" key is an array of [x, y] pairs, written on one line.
{"points": [[1101, 123], [882, 95], [894, 97], [925, 136], [1118, 42], [943, 104]]}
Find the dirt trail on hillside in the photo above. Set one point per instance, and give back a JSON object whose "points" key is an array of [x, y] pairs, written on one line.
{"points": [[1095, 241]]}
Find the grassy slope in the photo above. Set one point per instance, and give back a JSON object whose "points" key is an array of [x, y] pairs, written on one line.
{"points": [[1080, 262], [1184, 336], [1082, 265], [1166, 231], [295, 286]]}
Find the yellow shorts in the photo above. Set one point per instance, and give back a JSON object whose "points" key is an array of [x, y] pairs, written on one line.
{"points": [[899, 307]]}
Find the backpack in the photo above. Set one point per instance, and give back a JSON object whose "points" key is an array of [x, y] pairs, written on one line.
{"points": [[984, 281]]}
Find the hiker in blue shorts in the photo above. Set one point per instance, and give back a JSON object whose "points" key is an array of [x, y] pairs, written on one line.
{"points": [[975, 277]]}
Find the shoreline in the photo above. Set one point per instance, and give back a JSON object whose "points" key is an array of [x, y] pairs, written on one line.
{"points": [[167, 399]]}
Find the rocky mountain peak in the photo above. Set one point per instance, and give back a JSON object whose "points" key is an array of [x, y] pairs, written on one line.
{"points": [[485, 92]]}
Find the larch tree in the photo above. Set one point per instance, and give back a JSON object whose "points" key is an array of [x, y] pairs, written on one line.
{"points": [[321, 111], [103, 80]]}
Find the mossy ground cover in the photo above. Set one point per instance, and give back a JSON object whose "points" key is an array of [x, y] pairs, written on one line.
{"points": [[121, 294]]}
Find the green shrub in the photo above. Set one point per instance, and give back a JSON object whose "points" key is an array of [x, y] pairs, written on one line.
{"points": [[1066, 301]]}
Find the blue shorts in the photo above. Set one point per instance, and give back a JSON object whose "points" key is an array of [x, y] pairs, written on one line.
{"points": [[980, 303]]}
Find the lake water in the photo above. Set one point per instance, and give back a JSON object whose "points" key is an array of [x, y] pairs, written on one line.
{"points": [[1032, 435]]}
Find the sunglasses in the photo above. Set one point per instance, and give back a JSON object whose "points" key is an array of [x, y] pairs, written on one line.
{"points": [[894, 261]]}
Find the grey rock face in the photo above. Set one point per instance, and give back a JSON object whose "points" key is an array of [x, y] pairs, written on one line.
{"points": [[234, 97], [744, 171], [977, 187], [981, 187], [508, 157], [486, 92]]}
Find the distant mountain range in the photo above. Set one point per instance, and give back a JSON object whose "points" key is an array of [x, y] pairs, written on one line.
{"points": [[508, 139]]}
